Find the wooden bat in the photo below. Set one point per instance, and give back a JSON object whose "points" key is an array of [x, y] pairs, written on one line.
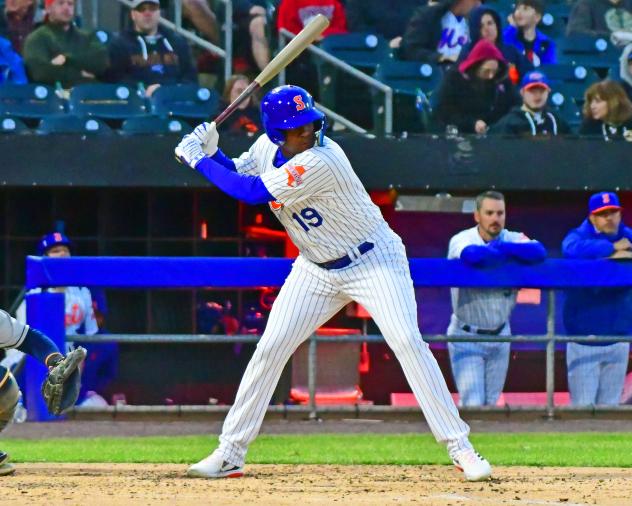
{"points": [[295, 47]]}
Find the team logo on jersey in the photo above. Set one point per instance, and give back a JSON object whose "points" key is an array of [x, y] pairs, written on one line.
{"points": [[275, 205], [294, 175]]}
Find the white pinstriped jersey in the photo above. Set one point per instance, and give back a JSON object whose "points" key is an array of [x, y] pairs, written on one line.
{"points": [[319, 199], [482, 307], [12, 332]]}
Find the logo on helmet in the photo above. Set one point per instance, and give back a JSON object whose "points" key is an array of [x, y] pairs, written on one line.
{"points": [[300, 105], [294, 174]]}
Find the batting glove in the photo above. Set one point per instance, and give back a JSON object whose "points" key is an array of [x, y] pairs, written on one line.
{"points": [[189, 151], [208, 136]]}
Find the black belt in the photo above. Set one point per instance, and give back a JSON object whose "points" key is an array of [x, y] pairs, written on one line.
{"points": [[346, 260], [484, 332]]}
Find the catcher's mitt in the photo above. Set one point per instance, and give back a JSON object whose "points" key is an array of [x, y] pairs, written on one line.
{"points": [[62, 385]]}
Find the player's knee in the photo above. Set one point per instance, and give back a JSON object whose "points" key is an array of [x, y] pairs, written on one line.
{"points": [[404, 339], [9, 396]]}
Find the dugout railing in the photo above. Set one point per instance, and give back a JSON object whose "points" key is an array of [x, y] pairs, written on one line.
{"points": [[46, 310]]}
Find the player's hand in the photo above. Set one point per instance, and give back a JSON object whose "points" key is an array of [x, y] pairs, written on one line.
{"points": [[208, 136], [189, 151], [622, 244], [621, 254]]}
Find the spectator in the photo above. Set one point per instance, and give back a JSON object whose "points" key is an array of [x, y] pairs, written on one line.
{"points": [[388, 19], [60, 52], [18, 19], [199, 13], [600, 18], [251, 49], [484, 23], [438, 31], [532, 119], [625, 70], [247, 118], [80, 319], [480, 368], [11, 64], [607, 112], [148, 53], [596, 371], [524, 35], [293, 15], [478, 93]]}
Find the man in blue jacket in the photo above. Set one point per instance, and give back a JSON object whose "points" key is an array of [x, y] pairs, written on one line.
{"points": [[596, 371]]}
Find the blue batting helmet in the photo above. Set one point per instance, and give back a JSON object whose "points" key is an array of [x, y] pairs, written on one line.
{"points": [[51, 240], [287, 107]]}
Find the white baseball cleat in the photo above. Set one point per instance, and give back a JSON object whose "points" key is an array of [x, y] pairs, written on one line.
{"points": [[214, 466], [473, 466]]}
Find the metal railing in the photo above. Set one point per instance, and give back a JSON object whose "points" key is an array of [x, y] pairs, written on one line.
{"points": [[352, 71], [550, 339]]}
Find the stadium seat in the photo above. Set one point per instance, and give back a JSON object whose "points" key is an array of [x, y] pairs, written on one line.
{"points": [[362, 50], [587, 50], [10, 125], [155, 125], [29, 101], [566, 108], [70, 124], [108, 101], [413, 83], [554, 21], [569, 79], [184, 101]]}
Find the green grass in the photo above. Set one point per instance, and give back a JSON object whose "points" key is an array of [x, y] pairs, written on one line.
{"points": [[573, 449]]}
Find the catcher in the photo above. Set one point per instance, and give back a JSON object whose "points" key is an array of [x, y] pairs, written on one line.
{"points": [[61, 387]]}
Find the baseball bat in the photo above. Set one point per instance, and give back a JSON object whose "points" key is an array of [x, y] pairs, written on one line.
{"points": [[295, 47]]}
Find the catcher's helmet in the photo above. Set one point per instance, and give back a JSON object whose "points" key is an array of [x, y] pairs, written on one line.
{"points": [[288, 107], [51, 240]]}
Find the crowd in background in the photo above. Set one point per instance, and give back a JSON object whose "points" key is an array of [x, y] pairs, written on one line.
{"points": [[491, 62]]}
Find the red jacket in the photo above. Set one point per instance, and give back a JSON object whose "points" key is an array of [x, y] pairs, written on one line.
{"points": [[293, 15]]}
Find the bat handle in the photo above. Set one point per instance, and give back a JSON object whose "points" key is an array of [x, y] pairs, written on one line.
{"points": [[252, 87]]}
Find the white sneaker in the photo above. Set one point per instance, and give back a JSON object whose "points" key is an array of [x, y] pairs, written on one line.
{"points": [[214, 466], [474, 467]]}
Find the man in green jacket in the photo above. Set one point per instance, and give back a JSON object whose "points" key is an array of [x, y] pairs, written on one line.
{"points": [[59, 52]]}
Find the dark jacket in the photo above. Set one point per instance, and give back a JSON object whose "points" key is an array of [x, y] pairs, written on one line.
{"points": [[462, 98], [596, 128], [543, 47], [11, 65], [423, 33], [589, 17], [598, 311], [161, 59], [511, 53], [385, 18], [243, 121], [520, 122]]}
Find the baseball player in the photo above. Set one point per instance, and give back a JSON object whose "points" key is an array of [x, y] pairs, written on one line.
{"points": [[15, 335], [596, 371], [480, 369], [347, 252]]}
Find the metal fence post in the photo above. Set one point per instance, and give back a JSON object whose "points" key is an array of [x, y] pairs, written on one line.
{"points": [[311, 376], [281, 45], [177, 14], [228, 60], [550, 357]]}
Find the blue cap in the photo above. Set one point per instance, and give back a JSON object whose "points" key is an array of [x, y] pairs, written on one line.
{"points": [[533, 79], [603, 201], [50, 241]]}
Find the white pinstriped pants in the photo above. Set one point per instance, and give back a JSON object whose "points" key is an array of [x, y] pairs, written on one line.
{"points": [[380, 281]]}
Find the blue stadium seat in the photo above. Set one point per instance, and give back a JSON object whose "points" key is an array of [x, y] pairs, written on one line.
{"points": [[566, 108], [11, 125], [569, 79], [364, 50], [554, 20], [155, 125], [70, 124], [29, 101], [586, 50], [108, 101], [185, 101]]}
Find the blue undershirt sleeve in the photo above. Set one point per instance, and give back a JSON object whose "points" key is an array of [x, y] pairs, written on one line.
{"points": [[224, 160], [529, 252], [249, 189], [481, 256], [38, 345]]}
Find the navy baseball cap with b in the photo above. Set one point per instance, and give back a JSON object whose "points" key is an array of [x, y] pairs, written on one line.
{"points": [[535, 79], [603, 201]]}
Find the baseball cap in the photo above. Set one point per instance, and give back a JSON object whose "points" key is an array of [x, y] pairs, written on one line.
{"points": [[137, 3], [534, 79], [602, 201]]}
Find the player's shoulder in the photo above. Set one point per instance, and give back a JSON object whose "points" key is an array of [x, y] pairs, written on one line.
{"points": [[469, 234], [513, 236], [328, 154]]}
